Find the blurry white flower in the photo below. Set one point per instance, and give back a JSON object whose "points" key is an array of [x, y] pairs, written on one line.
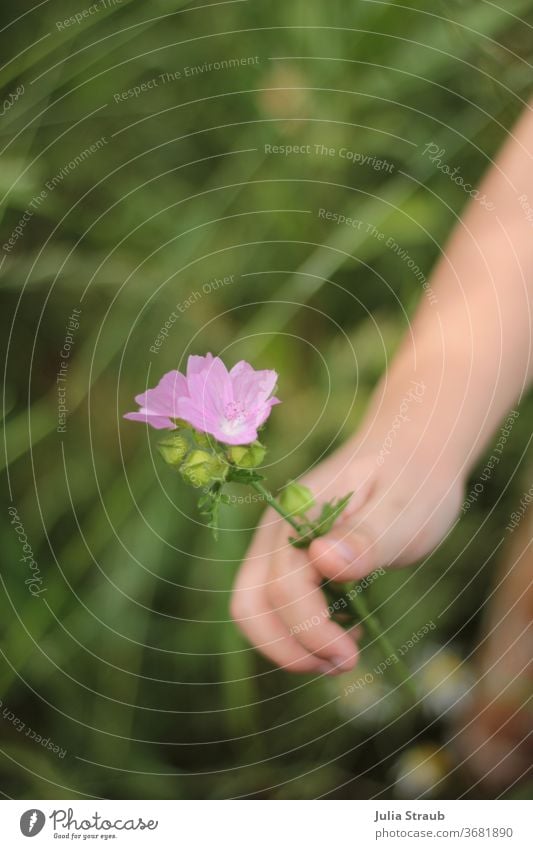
{"points": [[444, 680], [364, 697], [421, 771]]}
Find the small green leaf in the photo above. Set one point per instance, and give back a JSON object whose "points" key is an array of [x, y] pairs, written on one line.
{"points": [[329, 514], [245, 476], [331, 511], [209, 505]]}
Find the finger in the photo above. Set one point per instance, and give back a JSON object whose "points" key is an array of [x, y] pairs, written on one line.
{"points": [[253, 614], [295, 594], [271, 637], [354, 548]]}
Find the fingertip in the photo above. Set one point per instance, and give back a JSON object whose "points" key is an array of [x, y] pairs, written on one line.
{"points": [[340, 559], [327, 557], [344, 663], [310, 665], [339, 664], [342, 652]]}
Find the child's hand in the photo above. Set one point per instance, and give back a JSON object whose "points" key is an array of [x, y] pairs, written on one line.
{"points": [[398, 513], [469, 346]]}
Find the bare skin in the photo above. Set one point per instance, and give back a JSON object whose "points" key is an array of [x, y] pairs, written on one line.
{"points": [[467, 358]]}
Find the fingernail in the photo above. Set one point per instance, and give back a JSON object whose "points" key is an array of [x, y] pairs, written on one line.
{"points": [[339, 661], [329, 669], [343, 549]]}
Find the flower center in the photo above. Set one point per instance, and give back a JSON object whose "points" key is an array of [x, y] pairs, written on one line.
{"points": [[233, 411], [234, 418]]}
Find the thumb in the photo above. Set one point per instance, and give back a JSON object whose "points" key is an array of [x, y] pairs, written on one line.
{"points": [[358, 545]]}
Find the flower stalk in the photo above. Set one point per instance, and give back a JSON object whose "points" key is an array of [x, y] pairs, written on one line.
{"points": [[369, 619], [274, 503], [214, 416]]}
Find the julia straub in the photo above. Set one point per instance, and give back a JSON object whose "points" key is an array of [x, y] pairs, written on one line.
{"points": [[408, 815]]}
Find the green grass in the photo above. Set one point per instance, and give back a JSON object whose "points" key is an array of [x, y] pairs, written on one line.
{"points": [[132, 663]]}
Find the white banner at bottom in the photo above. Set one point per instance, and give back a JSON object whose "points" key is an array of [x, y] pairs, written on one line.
{"points": [[266, 824]]}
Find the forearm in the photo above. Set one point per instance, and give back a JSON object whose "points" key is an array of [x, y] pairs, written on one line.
{"points": [[470, 344]]}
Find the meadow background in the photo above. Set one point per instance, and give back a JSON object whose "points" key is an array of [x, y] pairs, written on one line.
{"points": [[128, 661]]}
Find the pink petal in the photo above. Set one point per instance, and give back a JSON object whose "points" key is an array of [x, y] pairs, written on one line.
{"points": [[197, 416], [197, 364], [242, 367], [252, 387], [159, 422], [262, 413], [162, 399], [211, 389]]}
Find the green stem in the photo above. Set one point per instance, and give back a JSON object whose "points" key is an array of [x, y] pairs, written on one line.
{"points": [[358, 604], [273, 502], [402, 672]]}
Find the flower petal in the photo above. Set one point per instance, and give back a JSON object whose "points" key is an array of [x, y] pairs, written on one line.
{"points": [[211, 389], [197, 364], [158, 422], [262, 412], [163, 398], [252, 387], [197, 416]]}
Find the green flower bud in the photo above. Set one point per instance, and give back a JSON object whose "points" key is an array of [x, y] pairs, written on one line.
{"points": [[173, 449], [247, 456], [296, 499], [203, 469]]}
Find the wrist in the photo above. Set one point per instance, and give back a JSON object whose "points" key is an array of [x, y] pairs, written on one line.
{"points": [[413, 418]]}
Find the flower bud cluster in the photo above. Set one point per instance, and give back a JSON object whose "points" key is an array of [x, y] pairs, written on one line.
{"points": [[204, 462]]}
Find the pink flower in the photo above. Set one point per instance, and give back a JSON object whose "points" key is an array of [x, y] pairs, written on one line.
{"points": [[229, 405]]}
